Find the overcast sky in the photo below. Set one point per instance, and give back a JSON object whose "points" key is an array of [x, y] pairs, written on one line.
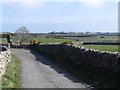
{"points": [[59, 15]]}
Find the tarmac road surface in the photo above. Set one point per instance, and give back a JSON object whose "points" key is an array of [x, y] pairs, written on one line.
{"points": [[40, 72]]}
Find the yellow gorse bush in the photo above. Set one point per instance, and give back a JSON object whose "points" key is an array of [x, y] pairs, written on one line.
{"points": [[67, 42], [36, 42]]}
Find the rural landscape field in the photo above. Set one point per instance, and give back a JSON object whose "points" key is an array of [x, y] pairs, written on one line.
{"points": [[77, 40], [59, 44], [105, 42]]}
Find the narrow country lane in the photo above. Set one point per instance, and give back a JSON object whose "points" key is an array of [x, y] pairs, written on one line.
{"points": [[39, 72]]}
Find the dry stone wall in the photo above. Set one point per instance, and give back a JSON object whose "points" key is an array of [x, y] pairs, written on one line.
{"points": [[99, 60], [5, 56]]}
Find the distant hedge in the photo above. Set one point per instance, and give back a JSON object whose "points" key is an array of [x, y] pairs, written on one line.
{"points": [[101, 43]]}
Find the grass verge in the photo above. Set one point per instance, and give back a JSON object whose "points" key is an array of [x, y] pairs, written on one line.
{"points": [[12, 76]]}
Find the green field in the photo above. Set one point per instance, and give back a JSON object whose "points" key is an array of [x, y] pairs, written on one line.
{"points": [[43, 40], [53, 40], [96, 38], [110, 48], [78, 41]]}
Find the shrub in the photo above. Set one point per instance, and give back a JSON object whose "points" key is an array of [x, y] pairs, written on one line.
{"points": [[36, 42], [67, 42]]}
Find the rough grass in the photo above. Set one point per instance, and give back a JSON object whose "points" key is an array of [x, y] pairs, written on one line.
{"points": [[14, 40], [12, 76], [43, 40], [53, 40], [96, 38], [0, 83], [81, 39], [3, 40], [110, 48]]}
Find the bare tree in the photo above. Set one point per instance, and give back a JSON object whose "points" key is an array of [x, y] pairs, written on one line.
{"points": [[22, 35]]}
